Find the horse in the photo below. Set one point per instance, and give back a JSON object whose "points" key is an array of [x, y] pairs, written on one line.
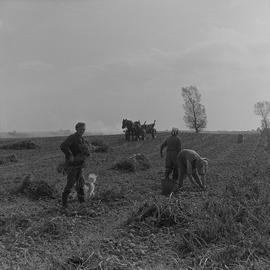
{"points": [[129, 125], [139, 130], [149, 128]]}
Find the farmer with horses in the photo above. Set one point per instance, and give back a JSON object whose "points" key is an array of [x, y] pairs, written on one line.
{"points": [[173, 144], [76, 150]]}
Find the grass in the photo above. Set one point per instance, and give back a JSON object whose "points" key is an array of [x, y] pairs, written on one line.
{"points": [[235, 223]]}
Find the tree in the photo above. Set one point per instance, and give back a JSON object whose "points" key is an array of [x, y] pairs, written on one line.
{"points": [[262, 108], [195, 115]]}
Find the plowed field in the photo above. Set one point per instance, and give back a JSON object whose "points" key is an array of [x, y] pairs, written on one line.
{"points": [[224, 227]]}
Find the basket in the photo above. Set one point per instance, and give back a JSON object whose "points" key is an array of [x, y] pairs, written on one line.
{"points": [[168, 186]]}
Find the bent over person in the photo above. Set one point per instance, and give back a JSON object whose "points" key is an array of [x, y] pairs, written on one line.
{"points": [[75, 148], [190, 163], [173, 144]]}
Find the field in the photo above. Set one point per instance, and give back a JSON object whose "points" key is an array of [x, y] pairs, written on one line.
{"points": [[129, 224]]}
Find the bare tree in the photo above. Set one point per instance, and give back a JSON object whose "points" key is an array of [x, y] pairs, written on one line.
{"points": [[195, 115], [262, 108]]}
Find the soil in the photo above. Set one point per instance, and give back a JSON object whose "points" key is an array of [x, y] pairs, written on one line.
{"points": [[104, 233]]}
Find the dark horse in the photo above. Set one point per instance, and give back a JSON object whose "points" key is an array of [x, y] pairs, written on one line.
{"points": [[129, 132], [134, 130], [139, 131], [150, 129]]}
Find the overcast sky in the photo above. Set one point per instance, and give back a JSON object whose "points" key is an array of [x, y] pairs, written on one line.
{"points": [[101, 60]]}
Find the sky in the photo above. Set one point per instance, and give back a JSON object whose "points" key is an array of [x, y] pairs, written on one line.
{"points": [[99, 61]]}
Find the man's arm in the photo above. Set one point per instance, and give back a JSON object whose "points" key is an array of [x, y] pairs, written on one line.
{"points": [[190, 173], [198, 180], [189, 168], [65, 147], [162, 147], [86, 147]]}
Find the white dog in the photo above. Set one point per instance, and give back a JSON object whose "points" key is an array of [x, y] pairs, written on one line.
{"points": [[89, 188]]}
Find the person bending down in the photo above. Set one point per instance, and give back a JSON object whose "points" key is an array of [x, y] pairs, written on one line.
{"points": [[190, 163]]}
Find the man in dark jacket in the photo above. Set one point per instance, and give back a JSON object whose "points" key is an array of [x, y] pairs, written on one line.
{"points": [[173, 144], [75, 148]]}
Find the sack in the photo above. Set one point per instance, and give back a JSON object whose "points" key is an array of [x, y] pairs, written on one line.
{"points": [[168, 186]]}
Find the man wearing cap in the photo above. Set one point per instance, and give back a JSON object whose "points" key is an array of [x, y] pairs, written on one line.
{"points": [[190, 163], [173, 144], [75, 148]]}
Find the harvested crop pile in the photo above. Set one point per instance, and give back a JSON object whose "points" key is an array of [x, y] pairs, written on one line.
{"points": [[8, 159], [134, 163], [20, 145], [99, 146], [111, 195], [14, 223], [164, 213], [36, 189]]}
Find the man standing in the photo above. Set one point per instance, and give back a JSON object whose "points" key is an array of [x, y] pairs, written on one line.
{"points": [[191, 164], [173, 144], [75, 148]]}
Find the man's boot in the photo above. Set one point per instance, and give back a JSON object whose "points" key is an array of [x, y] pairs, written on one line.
{"points": [[64, 200], [81, 198]]}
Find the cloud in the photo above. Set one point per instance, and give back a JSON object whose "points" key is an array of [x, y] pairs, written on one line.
{"points": [[100, 126], [86, 68], [208, 63], [214, 56], [35, 65]]}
